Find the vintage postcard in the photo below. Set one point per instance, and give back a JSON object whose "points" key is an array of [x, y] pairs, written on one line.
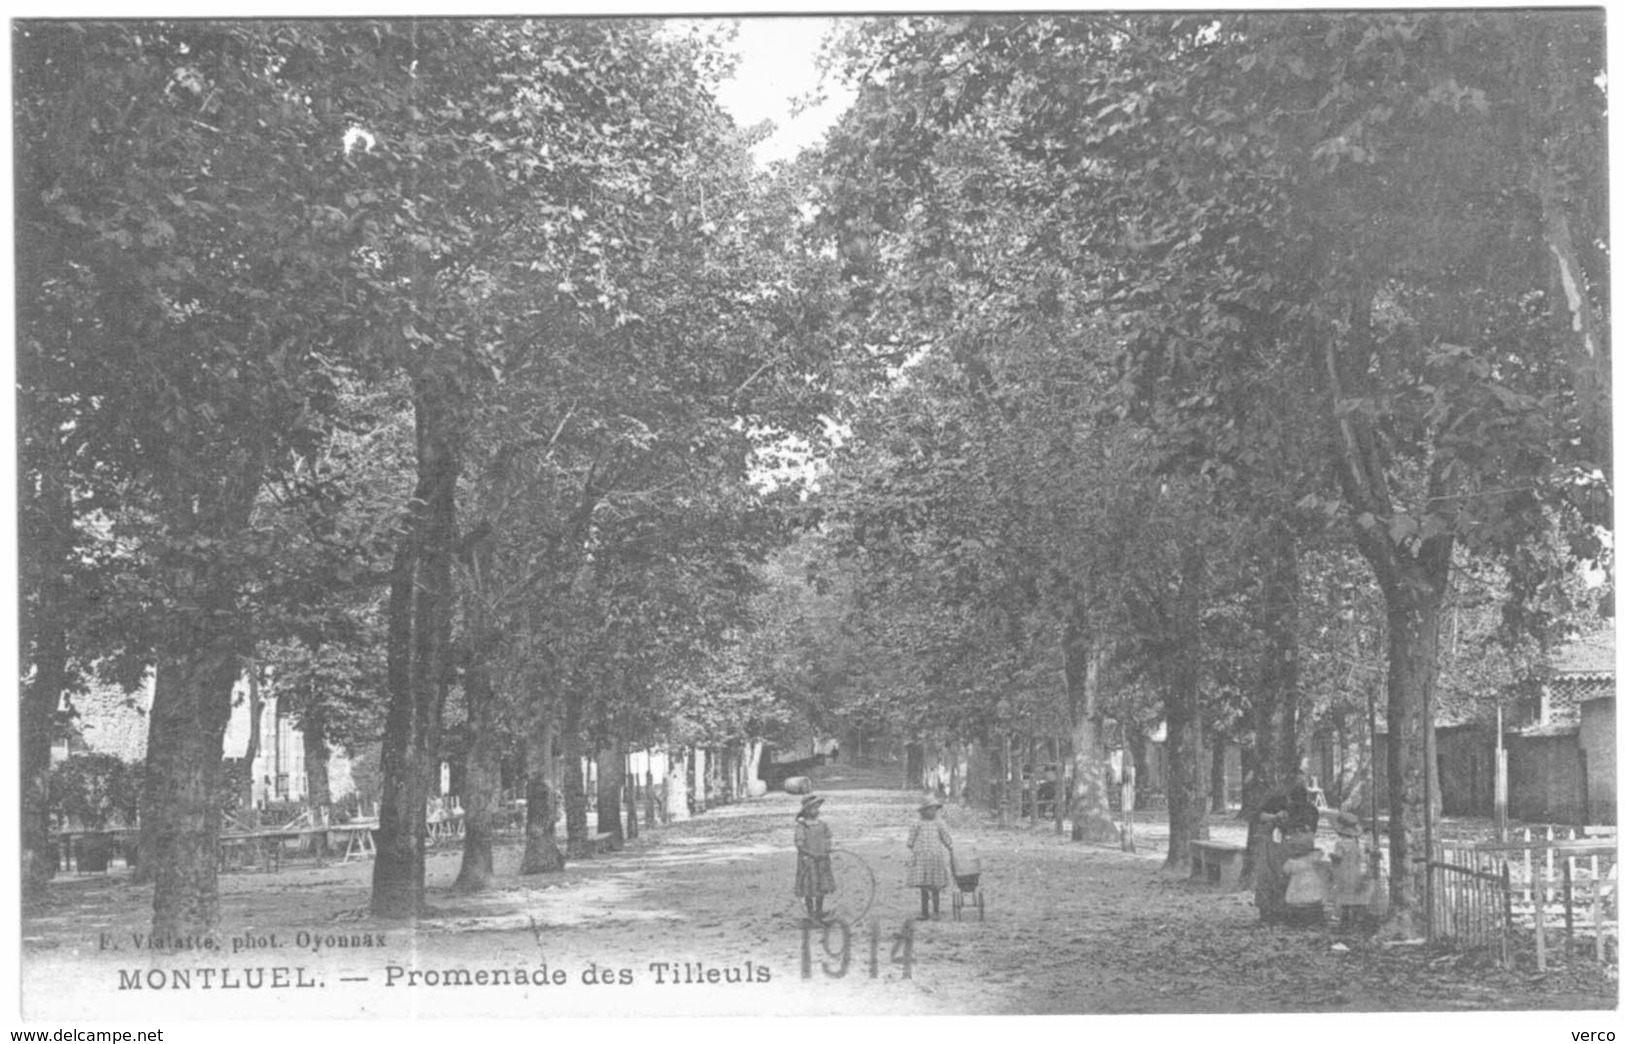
{"points": [[1071, 513]]}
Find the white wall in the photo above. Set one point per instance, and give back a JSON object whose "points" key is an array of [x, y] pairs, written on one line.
{"points": [[111, 722]]}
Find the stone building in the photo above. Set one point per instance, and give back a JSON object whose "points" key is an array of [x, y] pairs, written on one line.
{"points": [[107, 720], [1560, 745]]}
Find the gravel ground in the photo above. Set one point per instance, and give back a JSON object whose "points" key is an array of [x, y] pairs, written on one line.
{"points": [[1069, 929]]}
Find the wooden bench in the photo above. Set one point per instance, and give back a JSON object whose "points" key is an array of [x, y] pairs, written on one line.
{"points": [[1217, 862], [602, 843]]}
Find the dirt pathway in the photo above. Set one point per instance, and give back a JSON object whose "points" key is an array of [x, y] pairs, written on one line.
{"points": [[699, 918]]}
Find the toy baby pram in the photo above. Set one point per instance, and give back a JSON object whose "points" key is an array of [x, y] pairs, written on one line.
{"points": [[966, 869]]}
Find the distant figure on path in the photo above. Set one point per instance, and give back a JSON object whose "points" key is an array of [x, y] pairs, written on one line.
{"points": [[1046, 793], [929, 844], [814, 877]]}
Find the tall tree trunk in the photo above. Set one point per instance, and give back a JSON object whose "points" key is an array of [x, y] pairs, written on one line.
{"points": [[420, 609], [542, 853], [1187, 802], [1139, 750], [404, 793], [1062, 785], [982, 774], [611, 777], [482, 779], [577, 839], [999, 759], [1270, 759], [313, 727], [1413, 573], [713, 777], [191, 706], [1218, 790], [629, 794], [914, 767], [482, 784], [1091, 778], [1415, 610], [1030, 775], [39, 698], [251, 753], [676, 785], [753, 764], [722, 774], [197, 661], [1009, 779], [48, 536], [1588, 356], [701, 777]]}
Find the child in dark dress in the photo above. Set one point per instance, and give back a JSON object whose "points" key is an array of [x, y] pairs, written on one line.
{"points": [[814, 876]]}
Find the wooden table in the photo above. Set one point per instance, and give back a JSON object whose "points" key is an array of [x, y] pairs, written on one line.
{"points": [[268, 843], [358, 838]]}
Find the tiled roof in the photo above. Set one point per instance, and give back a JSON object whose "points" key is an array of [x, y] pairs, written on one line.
{"points": [[1576, 689], [1582, 669], [1588, 654], [1556, 728]]}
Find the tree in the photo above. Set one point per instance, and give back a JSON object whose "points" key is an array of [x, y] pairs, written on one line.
{"points": [[976, 280], [50, 575], [597, 234], [326, 663], [461, 197], [1415, 307], [176, 248], [1231, 189], [93, 789]]}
